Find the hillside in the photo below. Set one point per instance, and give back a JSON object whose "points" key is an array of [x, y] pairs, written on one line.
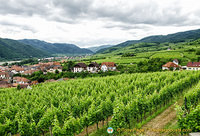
{"points": [[13, 50], [97, 48], [56, 48], [170, 38], [73, 105]]}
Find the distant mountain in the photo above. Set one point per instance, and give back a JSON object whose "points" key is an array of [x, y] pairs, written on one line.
{"points": [[56, 48], [171, 38], [12, 50], [97, 48]]}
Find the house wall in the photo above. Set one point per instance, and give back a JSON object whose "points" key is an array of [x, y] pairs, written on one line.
{"points": [[104, 68], [92, 69], [76, 69], [193, 68], [165, 68]]}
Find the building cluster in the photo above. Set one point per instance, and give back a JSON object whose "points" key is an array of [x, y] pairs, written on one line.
{"points": [[7, 79], [94, 67], [79, 57], [175, 65]]}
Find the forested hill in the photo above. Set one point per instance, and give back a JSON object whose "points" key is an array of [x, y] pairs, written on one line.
{"points": [[170, 38], [12, 50], [56, 48], [97, 48]]}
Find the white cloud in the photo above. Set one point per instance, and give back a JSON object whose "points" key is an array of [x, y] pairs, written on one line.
{"points": [[96, 22]]}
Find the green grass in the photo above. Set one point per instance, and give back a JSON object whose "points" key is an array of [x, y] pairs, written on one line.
{"points": [[168, 55]]}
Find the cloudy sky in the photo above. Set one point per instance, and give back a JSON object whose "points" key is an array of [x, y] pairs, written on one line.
{"points": [[95, 22]]}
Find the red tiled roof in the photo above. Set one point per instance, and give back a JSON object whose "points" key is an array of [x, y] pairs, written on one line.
{"points": [[34, 82], [171, 64], [109, 64], [193, 64], [56, 63], [18, 79], [29, 71], [5, 73], [17, 68]]}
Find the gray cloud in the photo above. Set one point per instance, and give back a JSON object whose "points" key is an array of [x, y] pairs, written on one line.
{"points": [[72, 11], [128, 26], [94, 18], [24, 7], [23, 27]]}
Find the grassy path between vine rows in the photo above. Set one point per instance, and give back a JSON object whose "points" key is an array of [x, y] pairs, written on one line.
{"points": [[166, 120]]}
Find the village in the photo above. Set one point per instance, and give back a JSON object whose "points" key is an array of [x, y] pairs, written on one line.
{"points": [[8, 74], [175, 66]]}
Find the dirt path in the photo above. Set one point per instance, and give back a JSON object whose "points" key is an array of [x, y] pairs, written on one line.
{"points": [[153, 128], [160, 122]]}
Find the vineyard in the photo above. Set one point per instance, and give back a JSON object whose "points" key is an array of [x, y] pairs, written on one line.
{"points": [[67, 108], [189, 114]]}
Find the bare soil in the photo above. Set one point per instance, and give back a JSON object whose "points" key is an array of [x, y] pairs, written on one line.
{"points": [[156, 126]]}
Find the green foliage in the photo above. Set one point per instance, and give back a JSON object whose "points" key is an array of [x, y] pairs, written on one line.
{"points": [[68, 107], [128, 55], [31, 61], [11, 49], [56, 48], [18, 87], [198, 52], [68, 66], [188, 115]]}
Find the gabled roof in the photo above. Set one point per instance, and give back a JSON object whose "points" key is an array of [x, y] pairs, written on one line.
{"points": [[7, 74], [175, 60], [171, 64], [56, 63], [193, 64], [108, 64], [17, 68], [29, 71], [81, 65], [93, 64], [19, 79]]}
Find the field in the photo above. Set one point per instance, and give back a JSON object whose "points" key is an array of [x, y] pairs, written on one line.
{"points": [[185, 52], [68, 107]]}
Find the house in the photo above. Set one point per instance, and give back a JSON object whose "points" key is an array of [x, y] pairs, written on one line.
{"points": [[80, 67], [53, 68], [4, 69], [29, 72], [34, 82], [175, 61], [170, 65], [4, 84], [6, 76], [193, 66], [20, 80], [169, 49], [17, 69], [105, 66], [93, 67]]}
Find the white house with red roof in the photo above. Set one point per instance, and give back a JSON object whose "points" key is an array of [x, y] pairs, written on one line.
{"points": [[105, 66], [193, 66], [170, 65], [20, 81], [17, 69]]}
